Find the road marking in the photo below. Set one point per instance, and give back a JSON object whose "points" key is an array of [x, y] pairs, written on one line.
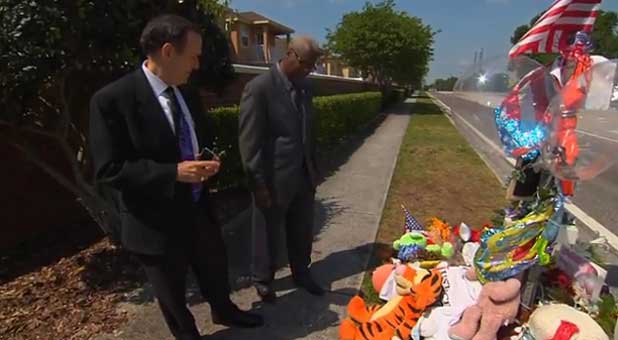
{"points": [[593, 224], [597, 136], [581, 215]]}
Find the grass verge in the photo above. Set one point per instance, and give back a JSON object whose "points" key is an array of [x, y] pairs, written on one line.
{"points": [[437, 174]]}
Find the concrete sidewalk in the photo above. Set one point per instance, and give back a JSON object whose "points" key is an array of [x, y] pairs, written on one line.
{"points": [[348, 209]]}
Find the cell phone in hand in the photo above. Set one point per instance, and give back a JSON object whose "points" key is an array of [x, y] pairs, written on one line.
{"points": [[209, 155]]}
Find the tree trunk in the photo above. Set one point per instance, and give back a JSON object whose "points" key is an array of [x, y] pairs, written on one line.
{"points": [[99, 210]]}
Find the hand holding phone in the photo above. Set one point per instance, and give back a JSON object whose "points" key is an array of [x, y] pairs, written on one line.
{"points": [[209, 155]]}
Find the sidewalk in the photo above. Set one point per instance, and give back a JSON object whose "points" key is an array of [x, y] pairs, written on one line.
{"points": [[348, 209]]}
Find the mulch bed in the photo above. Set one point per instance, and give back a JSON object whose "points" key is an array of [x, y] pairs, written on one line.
{"points": [[68, 284], [72, 298]]}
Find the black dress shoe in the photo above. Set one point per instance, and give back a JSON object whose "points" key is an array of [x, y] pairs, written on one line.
{"points": [[266, 292], [306, 282], [237, 318]]}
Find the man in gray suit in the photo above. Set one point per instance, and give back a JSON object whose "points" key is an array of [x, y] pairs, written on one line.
{"points": [[277, 146]]}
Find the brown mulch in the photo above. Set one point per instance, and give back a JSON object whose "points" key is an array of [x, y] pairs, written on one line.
{"points": [[68, 283], [74, 298]]}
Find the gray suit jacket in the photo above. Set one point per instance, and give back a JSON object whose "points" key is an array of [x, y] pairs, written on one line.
{"points": [[276, 139]]}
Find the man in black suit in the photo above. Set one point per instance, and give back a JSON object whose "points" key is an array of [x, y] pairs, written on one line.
{"points": [[146, 135], [277, 145]]}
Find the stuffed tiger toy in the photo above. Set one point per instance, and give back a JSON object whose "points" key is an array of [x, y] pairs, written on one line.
{"points": [[417, 289]]}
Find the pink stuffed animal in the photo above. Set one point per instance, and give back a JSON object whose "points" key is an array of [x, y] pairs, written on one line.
{"points": [[497, 305]]}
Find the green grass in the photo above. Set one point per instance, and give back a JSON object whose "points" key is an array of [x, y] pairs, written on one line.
{"points": [[437, 174]]}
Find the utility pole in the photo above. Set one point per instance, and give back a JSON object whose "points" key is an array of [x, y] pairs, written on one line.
{"points": [[481, 60]]}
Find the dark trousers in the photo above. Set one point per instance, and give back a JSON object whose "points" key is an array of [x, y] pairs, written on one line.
{"points": [[201, 249], [294, 217]]}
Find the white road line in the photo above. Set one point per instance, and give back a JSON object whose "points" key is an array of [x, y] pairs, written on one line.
{"points": [[586, 219], [597, 136]]}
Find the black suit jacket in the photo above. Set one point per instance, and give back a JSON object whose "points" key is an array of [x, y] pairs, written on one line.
{"points": [[135, 155], [276, 140]]}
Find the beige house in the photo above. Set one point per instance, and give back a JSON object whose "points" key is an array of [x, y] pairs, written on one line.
{"points": [[333, 66], [256, 39]]}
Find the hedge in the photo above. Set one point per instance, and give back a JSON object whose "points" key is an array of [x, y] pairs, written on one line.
{"points": [[394, 95], [338, 116]]}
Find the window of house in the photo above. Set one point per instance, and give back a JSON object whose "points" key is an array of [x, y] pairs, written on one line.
{"points": [[244, 37]]}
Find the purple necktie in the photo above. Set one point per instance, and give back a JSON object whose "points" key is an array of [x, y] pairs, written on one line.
{"points": [[183, 132]]}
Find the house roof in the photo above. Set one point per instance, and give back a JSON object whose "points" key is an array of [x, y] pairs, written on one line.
{"points": [[258, 19]]}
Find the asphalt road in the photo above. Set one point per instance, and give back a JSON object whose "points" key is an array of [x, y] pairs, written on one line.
{"points": [[597, 197]]}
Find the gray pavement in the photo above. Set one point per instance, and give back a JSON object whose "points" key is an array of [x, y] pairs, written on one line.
{"points": [[348, 210]]}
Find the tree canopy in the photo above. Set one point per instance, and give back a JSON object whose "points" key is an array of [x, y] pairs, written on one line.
{"points": [[55, 53], [385, 44], [444, 84]]}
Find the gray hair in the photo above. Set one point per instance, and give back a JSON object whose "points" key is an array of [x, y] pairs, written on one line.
{"points": [[305, 46]]}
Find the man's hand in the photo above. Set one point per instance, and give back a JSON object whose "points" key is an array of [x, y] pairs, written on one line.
{"points": [[262, 197], [197, 171]]}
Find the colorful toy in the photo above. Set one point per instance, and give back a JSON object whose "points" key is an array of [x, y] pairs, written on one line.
{"points": [[459, 294], [380, 275], [410, 239], [439, 231], [446, 249], [417, 289]]}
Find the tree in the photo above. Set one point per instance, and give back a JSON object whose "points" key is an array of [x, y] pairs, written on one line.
{"points": [[56, 53], [604, 35], [444, 84], [385, 44], [523, 29]]}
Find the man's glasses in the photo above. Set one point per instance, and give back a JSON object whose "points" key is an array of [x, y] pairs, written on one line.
{"points": [[303, 62]]}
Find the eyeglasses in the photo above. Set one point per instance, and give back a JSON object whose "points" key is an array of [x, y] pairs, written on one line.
{"points": [[303, 62]]}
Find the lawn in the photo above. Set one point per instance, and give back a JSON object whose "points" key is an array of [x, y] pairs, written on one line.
{"points": [[437, 174]]}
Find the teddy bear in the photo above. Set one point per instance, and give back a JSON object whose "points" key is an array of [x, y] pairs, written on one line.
{"points": [[497, 306]]}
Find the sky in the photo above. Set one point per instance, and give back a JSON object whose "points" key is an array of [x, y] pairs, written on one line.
{"points": [[466, 25]]}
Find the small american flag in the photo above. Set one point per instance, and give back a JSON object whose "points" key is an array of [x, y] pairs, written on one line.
{"points": [[411, 222], [551, 33]]}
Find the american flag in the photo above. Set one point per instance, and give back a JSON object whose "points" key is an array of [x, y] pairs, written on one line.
{"points": [[411, 222], [551, 33]]}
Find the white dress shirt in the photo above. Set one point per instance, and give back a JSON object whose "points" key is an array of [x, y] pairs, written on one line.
{"points": [[158, 87]]}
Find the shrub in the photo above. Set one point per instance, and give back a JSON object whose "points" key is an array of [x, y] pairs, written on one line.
{"points": [[338, 116], [341, 115], [393, 96]]}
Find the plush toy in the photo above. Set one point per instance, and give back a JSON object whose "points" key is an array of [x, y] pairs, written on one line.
{"points": [[446, 249], [439, 231], [497, 306], [410, 239], [562, 322], [416, 288], [459, 294], [380, 276]]}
